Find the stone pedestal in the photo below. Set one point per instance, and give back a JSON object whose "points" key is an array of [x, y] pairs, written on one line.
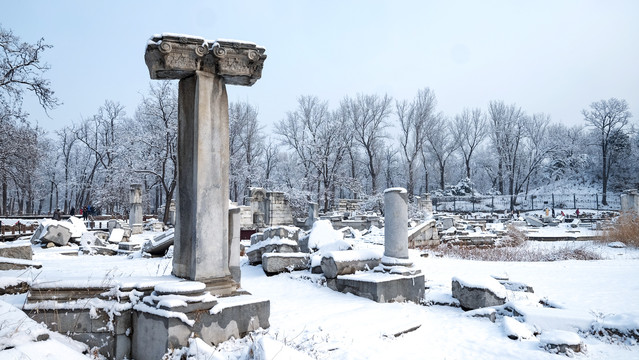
{"points": [[312, 214], [396, 228], [136, 215]]}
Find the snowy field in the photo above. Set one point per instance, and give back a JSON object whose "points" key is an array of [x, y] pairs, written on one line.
{"points": [[323, 324]]}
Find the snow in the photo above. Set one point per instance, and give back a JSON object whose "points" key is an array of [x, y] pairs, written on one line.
{"points": [[396, 189], [271, 241], [322, 235], [482, 282], [516, 330], [182, 287], [309, 318], [560, 337], [354, 255]]}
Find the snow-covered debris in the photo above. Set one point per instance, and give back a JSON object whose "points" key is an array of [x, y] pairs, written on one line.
{"points": [[348, 262], [560, 341], [476, 291], [553, 319], [516, 330], [323, 237]]}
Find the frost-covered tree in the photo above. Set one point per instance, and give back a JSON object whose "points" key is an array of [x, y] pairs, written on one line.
{"points": [[246, 148], [469, 129], [607, 118], [441, 145], [415, 120], [367, 115]]}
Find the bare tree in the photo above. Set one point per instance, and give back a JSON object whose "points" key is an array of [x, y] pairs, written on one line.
{"points": [[415, 120], [607, 118], [507, 131], [22, 68], [247, 145], [367, 115], [155, 153], [441, 144], [469, 130]]}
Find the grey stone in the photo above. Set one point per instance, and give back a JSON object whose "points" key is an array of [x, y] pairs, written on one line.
{"points": [[154, 334], [17, 264], [533, 221], [113, 224], [396, 227], [332, 268], [16, 250], [159, 244], [257, 237], [255, 255], [275, 263], [57, 234], [234, 244], [136, 215], [447, 222], [471, 298], [381, 288]]}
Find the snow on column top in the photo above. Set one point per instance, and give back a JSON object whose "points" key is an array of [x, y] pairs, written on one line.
{"points": [[396, 189]]}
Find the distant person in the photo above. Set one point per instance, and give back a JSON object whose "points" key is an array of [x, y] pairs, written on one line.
{"points": [[562, 213], [553, 212], [72, 211], [577, 213], [56, 215], [85, 213]]}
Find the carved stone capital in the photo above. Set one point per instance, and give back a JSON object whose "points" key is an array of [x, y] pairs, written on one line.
{"points": [[173, 56]]}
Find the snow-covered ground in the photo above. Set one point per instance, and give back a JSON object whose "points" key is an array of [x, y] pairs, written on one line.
{"points": [[324, 324]]}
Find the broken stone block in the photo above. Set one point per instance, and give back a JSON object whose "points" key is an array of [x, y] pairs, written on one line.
{"points": [[533, 221], [116, 236], [621, 326], [516, 330], [478, 292], [58, 233], [336, 263], [277, 245], [381, 287], [516, 286], [257, 237], [159, 244], [129, 247], [16, 250], [575, 223], [560, 341], [488, 313], [13, 285], [275, 263]]}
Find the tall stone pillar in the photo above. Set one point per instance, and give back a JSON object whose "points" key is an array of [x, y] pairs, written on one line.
{"points": [[136, 216], [201, 246], [234, 244], [396, 228], [312, 214]]}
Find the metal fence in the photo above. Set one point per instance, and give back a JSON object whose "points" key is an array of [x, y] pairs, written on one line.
{"points": [[526, 203]]}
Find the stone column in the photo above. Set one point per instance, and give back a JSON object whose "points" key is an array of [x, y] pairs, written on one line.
{"points": [[204, 67], [396, 228], [234, 244], [312, 214], [136, 217]]}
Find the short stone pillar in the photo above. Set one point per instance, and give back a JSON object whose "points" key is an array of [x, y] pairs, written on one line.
{"points": [[204, 67], [630, 201], [136, 216], [312, 214], [396, 228]]}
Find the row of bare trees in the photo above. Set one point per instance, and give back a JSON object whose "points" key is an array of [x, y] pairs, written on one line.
{"points": [[366, 143]]}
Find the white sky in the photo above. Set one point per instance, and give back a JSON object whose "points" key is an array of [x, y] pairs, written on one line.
{"points": [[555, 57]]}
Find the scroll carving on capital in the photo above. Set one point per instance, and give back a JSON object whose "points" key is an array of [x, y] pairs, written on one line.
{"points": [[171, 56]]}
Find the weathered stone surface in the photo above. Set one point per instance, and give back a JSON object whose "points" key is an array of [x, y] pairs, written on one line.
{"points": [[381, 287], [424, 234], [517, 286], [17, 264], [255, 254], [396, 227], [471, 298], [136, 215], [234, 244], [159, 244], [332, 267], [16, 250], [533, 221], [275, 263], [173, 56], [559, 341], [233, 316], [57, 234]]}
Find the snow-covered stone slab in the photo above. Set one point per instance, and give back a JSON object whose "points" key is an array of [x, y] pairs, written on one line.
{"points": [[381, 287], [618, 325], [516, 330], [552, 319], [336, 263], [116, 235], [488, 313], [474, 292], [159, 244], [17, 264], [278, 245], [13, 285], [533, 221], [20, 249], [517, 286], [560, 341], [575, 223], [275, 263]]}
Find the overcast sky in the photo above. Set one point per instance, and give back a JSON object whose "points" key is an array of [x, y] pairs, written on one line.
{"points": [[555, 57]]}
